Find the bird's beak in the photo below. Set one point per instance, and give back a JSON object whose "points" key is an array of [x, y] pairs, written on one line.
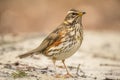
{"points": [[81, 13]]}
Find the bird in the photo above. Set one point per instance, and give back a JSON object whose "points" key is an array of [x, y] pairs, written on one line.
{"points": [[62, 42]]}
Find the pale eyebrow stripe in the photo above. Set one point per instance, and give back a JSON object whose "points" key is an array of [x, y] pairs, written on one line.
{"points": [[70, 11]]}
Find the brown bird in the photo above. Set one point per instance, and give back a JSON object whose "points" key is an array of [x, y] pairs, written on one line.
{"points": [[64, 41]]}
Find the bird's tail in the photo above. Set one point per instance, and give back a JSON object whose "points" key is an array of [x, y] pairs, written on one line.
{"points": [[25, 55], [30, 53]]}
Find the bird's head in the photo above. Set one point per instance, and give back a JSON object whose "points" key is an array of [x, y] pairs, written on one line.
{"points": [[73, 15]]}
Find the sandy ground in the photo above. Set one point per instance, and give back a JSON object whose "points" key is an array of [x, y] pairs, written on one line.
{"points": [[97, 59]]}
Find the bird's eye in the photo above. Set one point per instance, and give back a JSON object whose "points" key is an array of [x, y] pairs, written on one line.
{"points": [[74, 13]]}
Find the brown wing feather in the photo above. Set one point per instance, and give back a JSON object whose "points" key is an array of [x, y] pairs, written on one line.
{"points": [[49, 40]]}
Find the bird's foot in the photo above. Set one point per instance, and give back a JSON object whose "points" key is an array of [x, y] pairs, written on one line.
{"points": [[58, 76], [62, 67], [68, 75]]}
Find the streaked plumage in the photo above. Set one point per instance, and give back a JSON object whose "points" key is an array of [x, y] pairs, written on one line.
{"points": [[64, 41]]}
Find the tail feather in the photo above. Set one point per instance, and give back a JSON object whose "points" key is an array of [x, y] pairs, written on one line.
{"points": [[26, 55], [34, 51]]}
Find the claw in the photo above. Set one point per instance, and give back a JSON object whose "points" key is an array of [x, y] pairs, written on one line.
{"points": [[68, 75], [58, 76]]}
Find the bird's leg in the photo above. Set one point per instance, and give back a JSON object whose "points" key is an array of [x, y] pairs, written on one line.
{"points": [[56, 75], [68, 74], [63, 61], [54, 61]]}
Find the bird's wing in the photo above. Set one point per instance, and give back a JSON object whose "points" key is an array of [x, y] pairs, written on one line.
{"points": [[45, 43], [52, 39]]}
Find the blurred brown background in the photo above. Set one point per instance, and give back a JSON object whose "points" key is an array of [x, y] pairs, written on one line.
{"points": [[44, 15]]}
